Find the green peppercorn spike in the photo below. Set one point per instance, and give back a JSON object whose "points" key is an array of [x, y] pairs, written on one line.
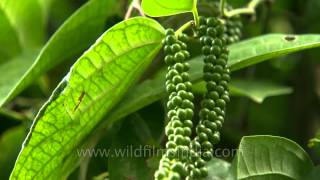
{"points": [[180, 108], [216, 75]]}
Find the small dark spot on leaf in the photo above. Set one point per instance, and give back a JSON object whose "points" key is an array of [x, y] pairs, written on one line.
{"points": [[290, 38], [79, 100]]}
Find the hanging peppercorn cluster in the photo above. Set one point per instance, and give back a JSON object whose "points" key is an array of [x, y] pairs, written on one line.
{"points": [[217, 76], [232, 25], [233, 30], [197, 165], [180, 108], [186, 158]]}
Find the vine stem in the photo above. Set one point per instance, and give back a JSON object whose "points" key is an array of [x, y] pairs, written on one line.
{"points": [[250, 9], [195, 13], [189, 24], [184, 27], [222, 5]]}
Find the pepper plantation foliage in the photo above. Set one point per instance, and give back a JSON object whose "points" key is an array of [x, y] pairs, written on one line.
{"points": [[160, 89]]}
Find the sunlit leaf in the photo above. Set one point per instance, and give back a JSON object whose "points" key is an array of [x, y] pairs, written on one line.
{"points": [[96, 82]]}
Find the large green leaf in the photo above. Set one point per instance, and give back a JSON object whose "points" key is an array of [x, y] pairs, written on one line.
{"points": [[8, 38], [27, 16], [265, 47], [270, 157], [96, 82], [76, 34], [157, 8]]}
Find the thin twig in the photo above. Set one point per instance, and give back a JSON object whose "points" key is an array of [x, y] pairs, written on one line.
{"points": [[222, 5], [135, 4], [195, 13], [250, 9], [129, 11]]}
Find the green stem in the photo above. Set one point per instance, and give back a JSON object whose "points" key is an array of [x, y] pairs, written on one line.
{"points": [[184, 27], [222, 5], [195, 13], [250, 9]]}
